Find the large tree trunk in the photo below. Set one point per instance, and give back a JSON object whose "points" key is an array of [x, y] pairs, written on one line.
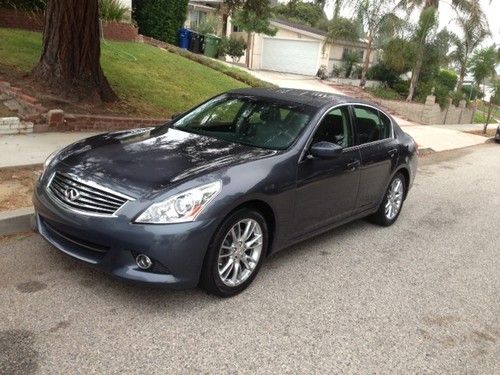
{"points": [[366, 63], [69, 63], [463, 71]]}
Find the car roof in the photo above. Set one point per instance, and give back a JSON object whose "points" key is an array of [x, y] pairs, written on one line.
{"points": [[312, 98]]}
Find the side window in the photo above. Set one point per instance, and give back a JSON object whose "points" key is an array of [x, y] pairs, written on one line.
{"points": [[371, 124], [335, 128]]}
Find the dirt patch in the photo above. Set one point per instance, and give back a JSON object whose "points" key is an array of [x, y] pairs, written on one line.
{"points": [[14, 237], [6, 112], [489, 133], [16, 187], [51, 100]]}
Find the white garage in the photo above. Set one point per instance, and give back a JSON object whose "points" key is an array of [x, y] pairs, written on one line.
{"points": [[291, 56]]}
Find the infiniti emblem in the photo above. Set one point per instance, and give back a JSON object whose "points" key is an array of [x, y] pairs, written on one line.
{"points": [[71, 194]]}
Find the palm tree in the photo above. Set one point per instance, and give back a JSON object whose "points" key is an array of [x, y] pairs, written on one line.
{"points": [[472, 36], [378, 20], [470, 8]]}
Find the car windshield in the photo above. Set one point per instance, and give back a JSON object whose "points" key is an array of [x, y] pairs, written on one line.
{"points": [[248, 120]]}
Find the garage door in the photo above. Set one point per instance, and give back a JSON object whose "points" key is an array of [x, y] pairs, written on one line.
{"points": [[290, 56]]}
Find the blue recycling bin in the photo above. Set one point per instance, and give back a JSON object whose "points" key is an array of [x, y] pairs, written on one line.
{"points": [[184, 38]]}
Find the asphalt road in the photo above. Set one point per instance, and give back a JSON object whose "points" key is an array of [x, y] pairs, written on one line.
{"points": [[421, 296]]}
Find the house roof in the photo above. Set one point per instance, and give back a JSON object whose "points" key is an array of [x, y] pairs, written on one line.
{"points": [[298, 26], [318, 33]]}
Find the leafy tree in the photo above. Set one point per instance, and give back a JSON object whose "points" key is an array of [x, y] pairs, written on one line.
{"points": [[343, 29], [378, 19], [69, 63], [483, 64], [252, 16], [305, 13], [399, 55], [233, 47], [464, 45], [469, 8]]}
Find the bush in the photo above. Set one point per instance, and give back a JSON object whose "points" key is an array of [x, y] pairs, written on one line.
{"points": [[30, 5], [208, 25], [160, 19], [447, 78], [337, 71], [472, 92], [384, 93], [401, 87], [112, 10], [234, 47], [381, 72]]}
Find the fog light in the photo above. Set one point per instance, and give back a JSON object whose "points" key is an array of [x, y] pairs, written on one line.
{"points": [[143, 261]]}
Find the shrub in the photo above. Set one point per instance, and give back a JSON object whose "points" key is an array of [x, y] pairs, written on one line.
{"points": [[381, 72], [337, 71], [208, 25], [112, 10], [447, 78], [234, 47], [160, 19], [30, 5], [384, 93], [472, 92]]}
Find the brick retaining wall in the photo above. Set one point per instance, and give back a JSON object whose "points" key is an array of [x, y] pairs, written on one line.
{"points": [[32, 21], [58, 120]]}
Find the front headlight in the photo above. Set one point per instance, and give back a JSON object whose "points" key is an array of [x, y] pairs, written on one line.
{"points": [[182, 207]]}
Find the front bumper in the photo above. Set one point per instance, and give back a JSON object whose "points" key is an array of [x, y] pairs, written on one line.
{"points": [[110, 244]]}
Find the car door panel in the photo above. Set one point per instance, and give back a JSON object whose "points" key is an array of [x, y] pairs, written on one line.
{"points": [[378, 152], [326, 190]]}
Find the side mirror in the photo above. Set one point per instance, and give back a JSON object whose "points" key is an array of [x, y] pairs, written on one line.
{"points": [[325, 150]]}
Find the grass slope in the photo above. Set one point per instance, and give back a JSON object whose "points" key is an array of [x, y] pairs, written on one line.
{"points": [[156, 83]]}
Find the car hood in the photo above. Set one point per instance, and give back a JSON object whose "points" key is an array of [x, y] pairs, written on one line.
{"points": [[149, 160]]}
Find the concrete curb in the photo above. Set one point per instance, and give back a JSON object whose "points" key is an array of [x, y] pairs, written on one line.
{"points": [[17, 221]]}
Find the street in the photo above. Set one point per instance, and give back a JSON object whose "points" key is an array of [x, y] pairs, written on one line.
{"points": [[420, 296]]}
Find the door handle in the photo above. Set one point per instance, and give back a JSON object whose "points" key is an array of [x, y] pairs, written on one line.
{"points": [[392, 152], [353, 165]]}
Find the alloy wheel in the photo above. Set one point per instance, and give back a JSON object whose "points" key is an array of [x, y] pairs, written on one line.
{"points": [[394, 199], [240, 252]]}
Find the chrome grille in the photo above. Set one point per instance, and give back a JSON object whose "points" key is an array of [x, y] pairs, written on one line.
{"points": [[85, 197]]}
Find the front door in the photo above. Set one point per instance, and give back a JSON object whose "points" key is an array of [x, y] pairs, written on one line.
{"points": [[327, 188], [379, 152]]}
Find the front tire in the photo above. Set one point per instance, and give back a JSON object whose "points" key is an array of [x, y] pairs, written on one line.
{"points": [[392, 204], [235, 255]]}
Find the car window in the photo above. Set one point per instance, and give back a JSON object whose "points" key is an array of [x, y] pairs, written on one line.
{"points": [[370, 125], [248, 120], [335, 127]]}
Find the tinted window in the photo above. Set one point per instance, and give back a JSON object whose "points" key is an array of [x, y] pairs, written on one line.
{"points": [[335, 128], [248, 120], [370, 126]]}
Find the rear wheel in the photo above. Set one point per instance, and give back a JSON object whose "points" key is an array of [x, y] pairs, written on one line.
{"points": [[235, 255], [391, 205]]}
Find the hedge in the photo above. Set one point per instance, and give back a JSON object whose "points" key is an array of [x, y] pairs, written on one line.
{"points": [[160, 19]]}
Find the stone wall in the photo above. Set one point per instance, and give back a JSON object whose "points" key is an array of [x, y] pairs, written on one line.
{"points": [[431, 113], [15, 19]]}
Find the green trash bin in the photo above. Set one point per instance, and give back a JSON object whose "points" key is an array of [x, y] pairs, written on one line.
{"points": [[212, 44]]}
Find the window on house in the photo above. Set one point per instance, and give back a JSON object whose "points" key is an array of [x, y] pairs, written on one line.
{"points": [[348, 51], [195, 17]]}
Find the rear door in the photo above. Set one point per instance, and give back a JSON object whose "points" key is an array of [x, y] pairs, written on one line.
{"points": [[378, 151]]}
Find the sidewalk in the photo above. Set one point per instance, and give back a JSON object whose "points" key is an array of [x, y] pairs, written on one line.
{"points": [[444, 137], [30, 149]]}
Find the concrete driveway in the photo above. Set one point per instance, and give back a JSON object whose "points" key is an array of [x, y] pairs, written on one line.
{"points": [[421, 296]]}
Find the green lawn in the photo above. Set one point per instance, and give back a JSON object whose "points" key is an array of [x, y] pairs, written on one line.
{"points": [[156, 83]]}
